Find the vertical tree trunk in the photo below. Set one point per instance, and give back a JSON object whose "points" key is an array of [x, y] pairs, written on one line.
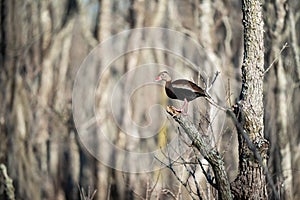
{"points": [[251, 181]]}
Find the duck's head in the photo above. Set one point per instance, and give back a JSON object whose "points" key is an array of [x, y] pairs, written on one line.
{"points": [[164, 75]]}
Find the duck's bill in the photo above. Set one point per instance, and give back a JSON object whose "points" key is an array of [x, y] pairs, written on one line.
{"points": [[157, 78]]}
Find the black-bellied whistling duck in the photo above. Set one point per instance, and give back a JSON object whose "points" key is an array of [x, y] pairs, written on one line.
{"points": [[181, 89]]}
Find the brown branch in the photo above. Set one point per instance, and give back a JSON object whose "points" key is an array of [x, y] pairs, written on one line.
{"points": [[208, 152]]}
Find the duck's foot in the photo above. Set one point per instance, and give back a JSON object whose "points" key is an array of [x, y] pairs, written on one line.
{"points": [[173, 111], [181, 110]]}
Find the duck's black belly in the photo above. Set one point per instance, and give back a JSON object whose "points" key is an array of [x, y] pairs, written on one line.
{"points": [[183, 89], [181, 94]]}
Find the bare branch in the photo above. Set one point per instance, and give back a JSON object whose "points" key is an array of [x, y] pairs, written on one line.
{"points": [[88, 195], [228, 93], [170, 165], [276, 59], [209, 153], [151, 189], [212, 102], [192, 173], [169, 192], [213, 80], [207, 176]]}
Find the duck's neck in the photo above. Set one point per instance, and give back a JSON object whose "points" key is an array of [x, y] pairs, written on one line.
{"points": [[168, 84]]}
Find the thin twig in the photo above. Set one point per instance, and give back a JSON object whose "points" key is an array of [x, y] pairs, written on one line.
{"points": [[212, 102], [208, 178], [88, 195], [169, 192], [209, 153], [183, 183], [192, 172], [149, 191], [276, 59], [228, 92], [127, 185], [213, 80]]}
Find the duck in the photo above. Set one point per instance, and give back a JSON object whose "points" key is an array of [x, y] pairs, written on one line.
{"points": [[181, 89]]}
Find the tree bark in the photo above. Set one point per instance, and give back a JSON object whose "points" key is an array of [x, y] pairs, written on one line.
{"points": [[251, 181]]}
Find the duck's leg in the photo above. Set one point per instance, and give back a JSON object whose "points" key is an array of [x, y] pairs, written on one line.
{"points": [[185, 105]]}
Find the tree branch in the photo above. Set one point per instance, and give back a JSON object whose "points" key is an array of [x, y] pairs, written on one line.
{"points": [[208, 152], [277, 58]]}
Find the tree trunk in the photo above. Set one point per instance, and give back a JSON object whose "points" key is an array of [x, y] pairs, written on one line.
{"points": [[251, 181]]}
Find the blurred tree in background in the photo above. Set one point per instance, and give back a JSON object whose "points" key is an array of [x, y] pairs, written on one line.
{"points": [[43, 44]]}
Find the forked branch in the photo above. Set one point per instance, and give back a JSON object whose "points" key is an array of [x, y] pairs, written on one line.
{"points": [[207, 151]]}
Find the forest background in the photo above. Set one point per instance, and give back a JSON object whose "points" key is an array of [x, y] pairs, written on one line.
{"points": [[43, 45]]}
